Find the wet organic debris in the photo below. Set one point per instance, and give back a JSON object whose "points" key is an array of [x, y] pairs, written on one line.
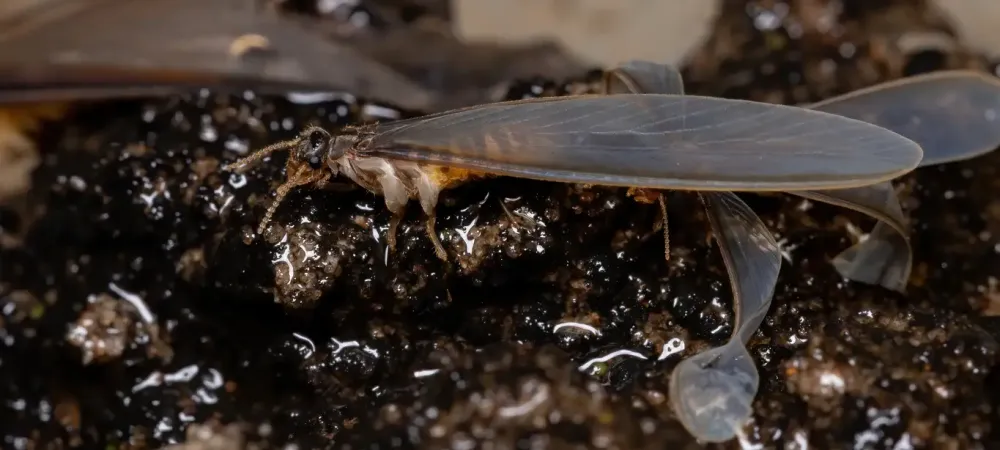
{"points": [[549, 280], [803, 51], [108, 326]]}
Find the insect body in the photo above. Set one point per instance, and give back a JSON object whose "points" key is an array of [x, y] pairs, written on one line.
{"points": [[637, 140]]}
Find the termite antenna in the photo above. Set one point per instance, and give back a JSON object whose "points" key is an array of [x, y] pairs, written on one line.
{"points": [[666, 226], [245, 162], [301, 177], [279, 195]]}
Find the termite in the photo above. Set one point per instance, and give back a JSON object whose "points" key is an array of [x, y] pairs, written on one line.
{"points": [[649, 141]]}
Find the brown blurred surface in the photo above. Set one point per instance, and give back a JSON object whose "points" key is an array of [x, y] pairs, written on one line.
{"points": [[609, 31]]}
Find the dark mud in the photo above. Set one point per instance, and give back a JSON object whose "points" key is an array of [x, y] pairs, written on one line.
{"points": [[138, 310]]}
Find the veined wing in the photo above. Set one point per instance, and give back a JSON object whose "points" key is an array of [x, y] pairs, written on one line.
{"points": [[952, 115], [655, 141]]}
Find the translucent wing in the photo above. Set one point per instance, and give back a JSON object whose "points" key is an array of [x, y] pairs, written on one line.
{"points": [[750, 253], [643, 77], [655, 141], [87, 49], [953, 115], [885, 258], [713, 391]]}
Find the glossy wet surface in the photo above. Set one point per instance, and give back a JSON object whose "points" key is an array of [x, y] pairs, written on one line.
{"points": [[136, 311]]}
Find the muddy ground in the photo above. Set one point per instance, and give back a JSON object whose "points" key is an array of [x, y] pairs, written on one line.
{"points": [[139, 312]]}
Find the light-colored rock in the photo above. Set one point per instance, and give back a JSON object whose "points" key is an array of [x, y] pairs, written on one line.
{"points": [[610, 31]]}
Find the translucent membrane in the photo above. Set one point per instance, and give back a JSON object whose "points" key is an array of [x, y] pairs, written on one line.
{"points": [[951, 115], [654, 141], [712, 392]]}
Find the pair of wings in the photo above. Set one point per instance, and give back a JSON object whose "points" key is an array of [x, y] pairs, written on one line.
{"points": [[674, 141]]}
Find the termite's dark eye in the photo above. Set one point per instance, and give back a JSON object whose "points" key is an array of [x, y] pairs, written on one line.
{"points": [[313, 148], [317, 138]]}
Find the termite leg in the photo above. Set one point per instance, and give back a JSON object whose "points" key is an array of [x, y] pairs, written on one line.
{"points": [[428, 193], [666, 227], [650, 196], [516, 219], [396, 198], [432, 234], [390, 238]]}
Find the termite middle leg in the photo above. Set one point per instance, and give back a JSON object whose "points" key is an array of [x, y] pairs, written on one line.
{"points": [[396, 198], [428, 193]]}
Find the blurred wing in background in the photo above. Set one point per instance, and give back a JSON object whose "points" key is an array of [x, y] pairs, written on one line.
{"points": [[61, 50]]}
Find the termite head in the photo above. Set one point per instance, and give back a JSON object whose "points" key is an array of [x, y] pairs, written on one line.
{"points": [[316, 147], [307, 163]]}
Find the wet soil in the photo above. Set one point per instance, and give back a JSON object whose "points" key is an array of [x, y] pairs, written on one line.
{"points": [[138, 309]]}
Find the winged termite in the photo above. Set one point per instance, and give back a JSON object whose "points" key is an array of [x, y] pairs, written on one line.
{"points": [[637, 140]]}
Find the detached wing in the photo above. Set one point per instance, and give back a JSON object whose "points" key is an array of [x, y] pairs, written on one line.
{"points": [[91, 49], [655, 141]]}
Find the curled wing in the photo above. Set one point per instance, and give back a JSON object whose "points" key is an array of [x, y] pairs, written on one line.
{"points": [[886, 257], [643, 77], [712, 392], [655, 141]]}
